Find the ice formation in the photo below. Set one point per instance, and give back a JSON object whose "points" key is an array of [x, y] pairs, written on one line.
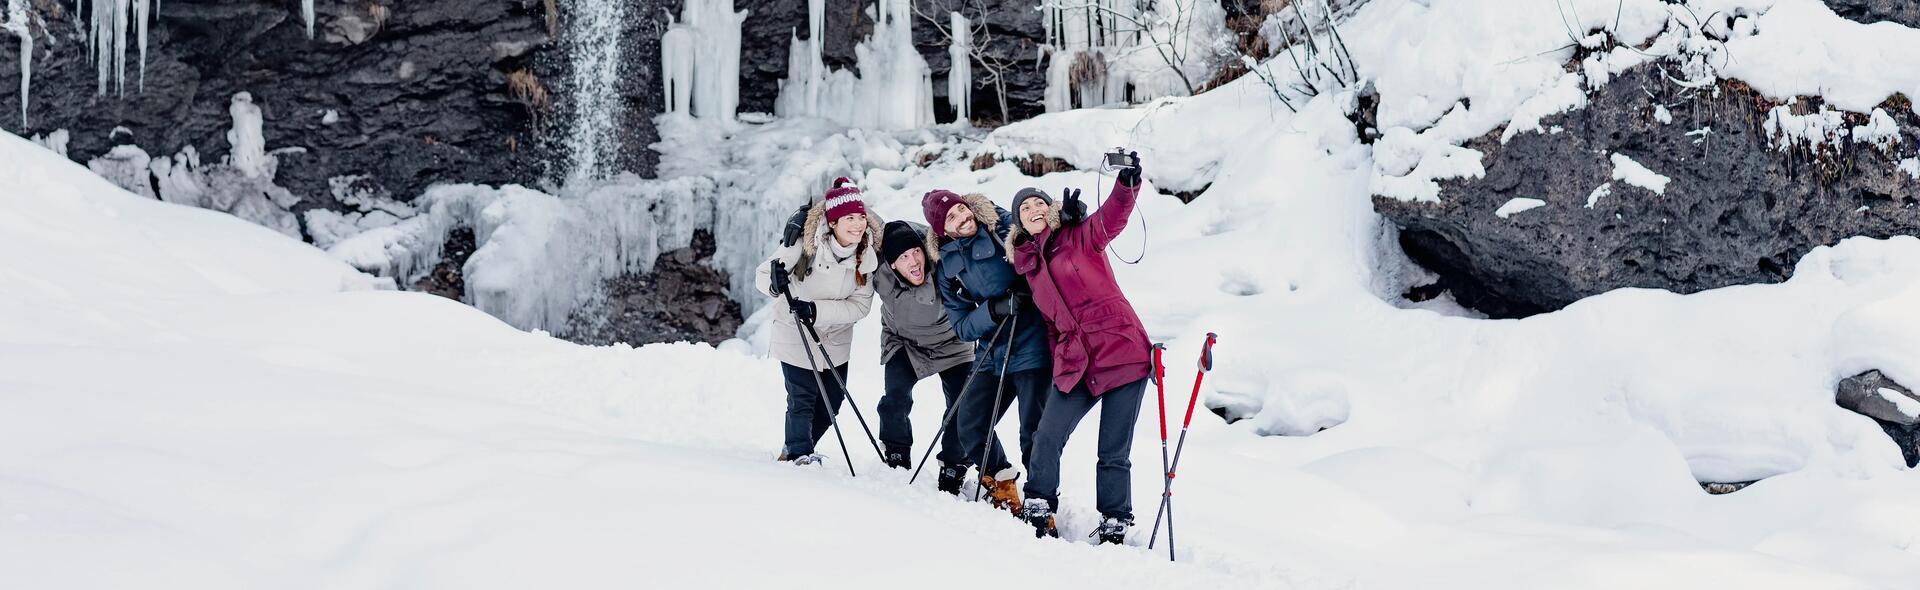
{"points": [[894, 89], [593, 149], [960, 76], [248, 138], [1108, 51], [700, 60], [242, 185], [18, 23]]}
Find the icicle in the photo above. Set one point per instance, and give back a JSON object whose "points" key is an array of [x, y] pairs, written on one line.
{"points": [[306, 12], [140, 16], [676, 68], [17, 21], [107, 39], [960, 76]]}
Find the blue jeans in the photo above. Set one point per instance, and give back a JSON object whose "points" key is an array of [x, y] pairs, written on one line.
{"points": [[807, 415], [1113, 474], [896, 430]]}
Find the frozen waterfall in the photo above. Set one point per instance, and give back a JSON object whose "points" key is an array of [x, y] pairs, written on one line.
{"points": [[894, 89]]}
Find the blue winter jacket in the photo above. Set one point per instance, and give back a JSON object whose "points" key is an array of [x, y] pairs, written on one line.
{"points": [[973, 271]]}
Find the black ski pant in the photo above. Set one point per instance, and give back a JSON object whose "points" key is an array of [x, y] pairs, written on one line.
{"points": [[896, 429], [977, 415], [807, 415], [1113, 474]]}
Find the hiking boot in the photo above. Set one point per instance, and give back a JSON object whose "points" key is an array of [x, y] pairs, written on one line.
{"points": [[950, 477], [1113, 530], [1003, 490], [807, 459], [898, 457], [1039, 514]]}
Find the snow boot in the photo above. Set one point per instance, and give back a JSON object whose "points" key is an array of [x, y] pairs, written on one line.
{"points": [[1003, 490], [898, 457], [807, 459], [1039, 514], [950, 477], [1112, 530]]}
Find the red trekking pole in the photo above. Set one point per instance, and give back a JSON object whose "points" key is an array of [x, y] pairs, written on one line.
{"points": [[1166, 469], [1166, 498]]}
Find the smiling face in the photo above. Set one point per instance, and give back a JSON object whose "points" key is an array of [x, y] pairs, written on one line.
{"points": [[848, 229], [1033, 215], [912, 266], [960, 223]]}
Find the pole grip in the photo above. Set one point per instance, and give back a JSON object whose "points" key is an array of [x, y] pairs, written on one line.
{"points": [[1206, 365], [1160, 388]]}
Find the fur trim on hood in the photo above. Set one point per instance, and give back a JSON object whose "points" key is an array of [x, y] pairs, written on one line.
{"points": [[984, 216]]}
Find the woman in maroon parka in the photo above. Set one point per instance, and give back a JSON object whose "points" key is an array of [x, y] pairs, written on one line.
{"points": [[1100, 350]]}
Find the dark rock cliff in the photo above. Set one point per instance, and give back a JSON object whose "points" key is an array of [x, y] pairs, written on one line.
{"points": [[1737, 210]]}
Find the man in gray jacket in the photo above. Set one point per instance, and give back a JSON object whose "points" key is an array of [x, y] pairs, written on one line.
{"points": [[917, 341]]}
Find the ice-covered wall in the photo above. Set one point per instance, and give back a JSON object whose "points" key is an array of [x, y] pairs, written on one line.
{"points": [[893, 89], [700, 60]]}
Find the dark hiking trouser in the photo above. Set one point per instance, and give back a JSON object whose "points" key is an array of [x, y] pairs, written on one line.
{"points": [[896, 429], [1032, 388], [807, 416], [1113, 477]]}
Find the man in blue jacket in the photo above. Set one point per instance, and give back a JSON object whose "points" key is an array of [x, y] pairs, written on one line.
{"points": [[983, 294]]}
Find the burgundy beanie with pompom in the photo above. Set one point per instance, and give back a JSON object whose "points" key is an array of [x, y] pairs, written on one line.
{"points": [[843, 199]]}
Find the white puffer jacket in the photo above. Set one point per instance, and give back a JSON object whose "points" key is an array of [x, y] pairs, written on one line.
{"points": [[828, 282]]}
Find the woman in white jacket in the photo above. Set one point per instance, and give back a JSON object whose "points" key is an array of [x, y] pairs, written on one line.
{"points": [[827, 273]]}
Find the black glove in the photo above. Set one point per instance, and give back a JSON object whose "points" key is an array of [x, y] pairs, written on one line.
{"points": [[795, 224], [805, 311], [1006, 307], [1130, 176], [1072, 209], [778, 281]]}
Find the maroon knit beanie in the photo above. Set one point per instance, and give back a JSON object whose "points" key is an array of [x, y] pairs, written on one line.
{"points": [[935, 204], [843, 199]]}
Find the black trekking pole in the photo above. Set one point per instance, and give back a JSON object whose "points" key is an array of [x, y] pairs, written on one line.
{"points": [[952, 409], [1166, 500], [826, 405], [844, 392], [986, 448]]}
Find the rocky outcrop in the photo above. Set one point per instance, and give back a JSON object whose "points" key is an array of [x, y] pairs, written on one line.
{"points": [[1889, 404], [403, 93], [1906, 12], [1737, 209], [1013, 34], [683, 299]]}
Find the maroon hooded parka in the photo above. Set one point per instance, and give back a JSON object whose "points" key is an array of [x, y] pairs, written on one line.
{"points": [[1096, 335]]}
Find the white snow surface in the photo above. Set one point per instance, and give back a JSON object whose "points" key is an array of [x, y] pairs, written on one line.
{"points": [[1626, 170], [1512, 206], [261, 428]]}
